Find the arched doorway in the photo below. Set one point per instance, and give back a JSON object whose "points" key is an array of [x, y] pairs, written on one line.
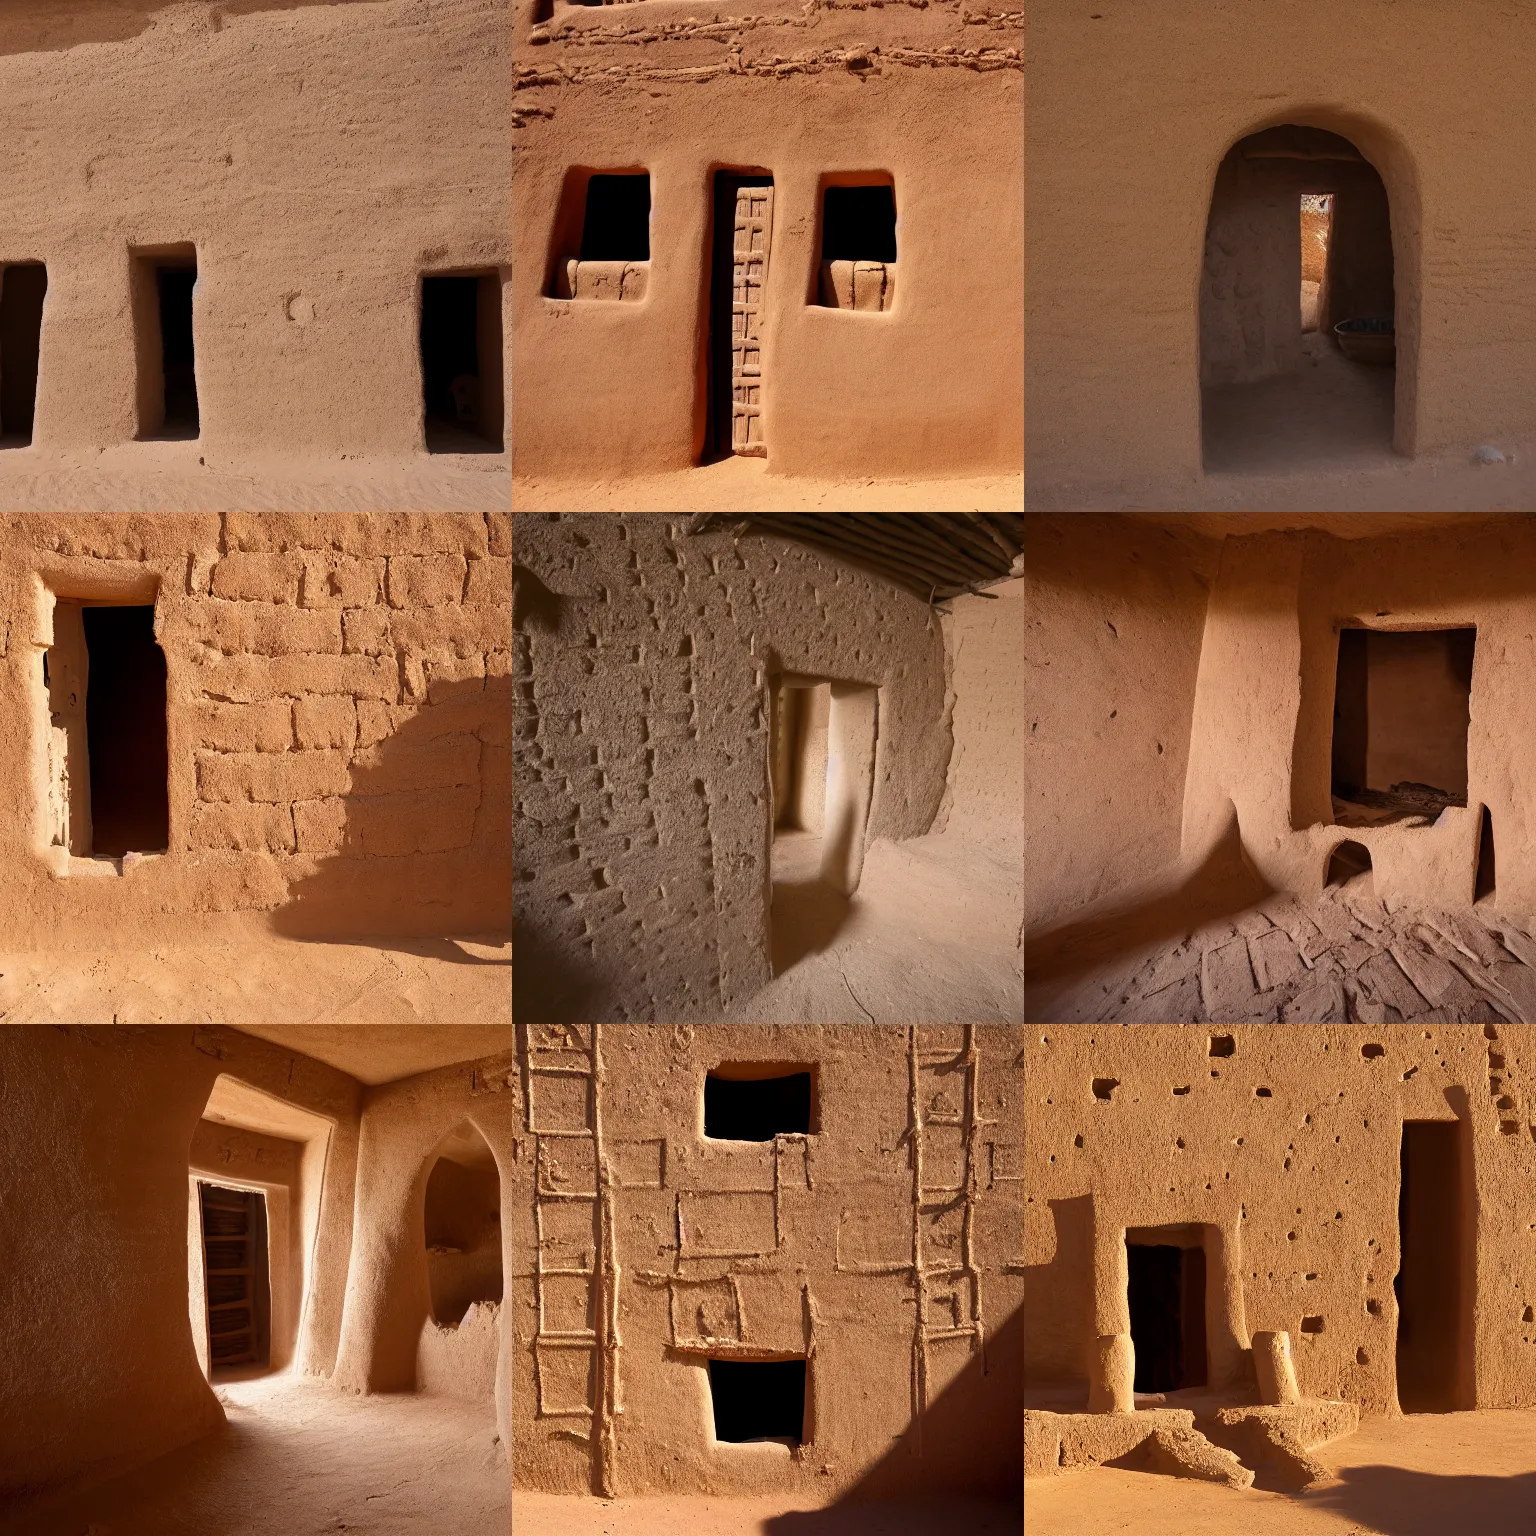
{"points": [[1298, 307], [461, 1221]]}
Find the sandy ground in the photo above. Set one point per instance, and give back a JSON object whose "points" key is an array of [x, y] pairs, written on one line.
{"points": [[932, 932], [297, 1459], [744, 485], [1343, 959], [542, 1514], [262, 980], [1424, 1475], [173, 477]]}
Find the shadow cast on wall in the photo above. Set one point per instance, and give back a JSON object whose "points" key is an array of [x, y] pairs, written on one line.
{"points": [[54, 26], [1225, 883], [425, 835], [970, 1445]]}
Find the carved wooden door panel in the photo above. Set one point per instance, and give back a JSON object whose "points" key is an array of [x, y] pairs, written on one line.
{"points": [[754, 226]]}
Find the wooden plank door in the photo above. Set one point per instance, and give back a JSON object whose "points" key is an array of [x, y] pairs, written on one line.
{"points": [[229, 1248], [754, 228]]}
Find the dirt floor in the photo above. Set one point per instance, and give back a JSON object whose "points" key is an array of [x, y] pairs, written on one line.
{"points": [[297, 1459], [543, 1514], [1423, 1475], [1343, 959], [173, 477], [261, 979], [742, 484], [933, 931]]}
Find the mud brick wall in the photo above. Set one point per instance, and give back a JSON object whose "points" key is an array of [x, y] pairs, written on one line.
{"points": [[642, 661], [338, 718]]}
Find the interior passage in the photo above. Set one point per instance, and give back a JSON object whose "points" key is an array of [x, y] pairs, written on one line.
{"points": [[758, 1399], [1428, 1283], [462, 1217], [239, 1294], [22, 290], [125, 729], [1167, 1307], [460, 337]]}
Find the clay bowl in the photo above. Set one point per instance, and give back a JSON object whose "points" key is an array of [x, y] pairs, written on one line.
{"points": [[1367, 341]]}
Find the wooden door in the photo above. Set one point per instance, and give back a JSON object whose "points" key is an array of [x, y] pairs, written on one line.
{"points": [[229, 1246], [754, 228]]}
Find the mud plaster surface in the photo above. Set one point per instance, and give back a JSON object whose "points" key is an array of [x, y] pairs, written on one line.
{"points": [[1424, 1475], [298, 1459], [543, 1514]]}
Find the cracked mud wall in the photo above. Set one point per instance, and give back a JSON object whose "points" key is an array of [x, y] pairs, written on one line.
{"points": [[1115, 617], [309, 254], [930, 96], [799, 1246], [1300, 1181], [339, 748], [642, 818]]}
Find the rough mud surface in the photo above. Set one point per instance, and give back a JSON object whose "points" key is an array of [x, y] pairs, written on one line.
{"points": [[299, 1460], [1344, 959], [1422, 1475], [543, 1514]]}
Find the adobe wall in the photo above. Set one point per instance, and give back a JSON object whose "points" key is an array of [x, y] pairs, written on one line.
{"points": [[1302, 1186], [642, 667], [319, 156], [1263, 712], [1113, 366], [801, 1246], [96, 1127], [337, 721], [1115, 622], [931, 96]]}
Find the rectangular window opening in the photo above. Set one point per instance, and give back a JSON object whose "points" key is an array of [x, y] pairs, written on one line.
{"points": [[461, 367], [755, 1101], [602, 236], [758, 1400], [22, 289], [164, 293], [1166, 1268], [108, 763], [1401, 710], [1316, 226], [239, 1290], [1428, 1283], [857, 262]]}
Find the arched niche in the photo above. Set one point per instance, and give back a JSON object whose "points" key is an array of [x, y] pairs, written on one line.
{"points": [[461, 1217], [1274, 400]]}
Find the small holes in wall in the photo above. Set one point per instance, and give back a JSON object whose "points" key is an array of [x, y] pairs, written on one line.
{"points": [[1371, 1052], [1262, 1093], [1311, 1325], [1179, 1093], [1290, 1237], [1077, 1141], [1529, 1315], [1373, 1307], [1361, 1358], [1409, 1073], [1104, 1087], [1222, 1045]]}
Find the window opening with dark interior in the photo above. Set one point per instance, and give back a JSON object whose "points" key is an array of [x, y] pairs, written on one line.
{"points": [[1348, 861], [1401, 711], [858, 247], [239, 1290], [164, 291], [461, 362], [746, 1101], [1166, 1269], [462, 1216], [617, 222], [1431, 1295], [758, 1400], [108, 764], [22, 289]]}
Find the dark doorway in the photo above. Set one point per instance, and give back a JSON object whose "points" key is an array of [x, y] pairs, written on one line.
{"points": [[758, 1399], [1485, 865], [1402, 707], [125, 731], [1428, 1283], [1349, 859], [1167, 1303], [1288, 385], [461, 369], [742, 1106], [21, 326], [239, 1293], [740, 250], [164, 290]]}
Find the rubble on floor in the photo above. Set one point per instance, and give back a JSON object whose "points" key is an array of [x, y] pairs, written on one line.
{"points": [[1343, 959]]}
